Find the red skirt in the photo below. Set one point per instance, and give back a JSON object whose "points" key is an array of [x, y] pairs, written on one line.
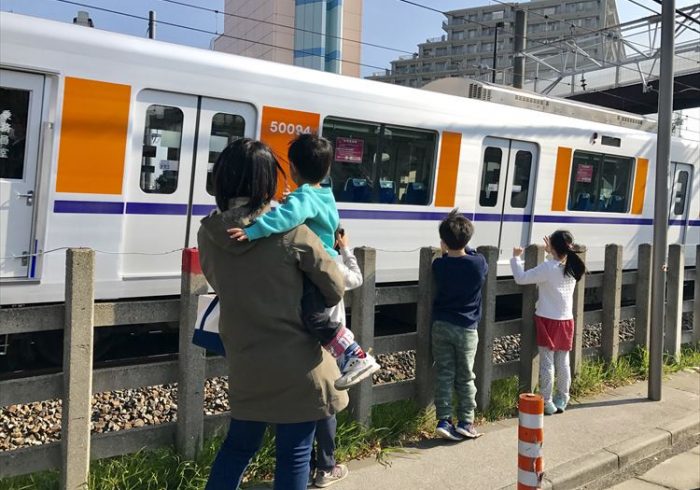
{"points": [[554, 334]]}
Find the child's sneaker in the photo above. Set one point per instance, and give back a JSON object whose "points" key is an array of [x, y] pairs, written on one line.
{"points": [[468, 430], [446, 430], [354, 369], [312, 479], [560, 402], [327, 478], [549, 408]]}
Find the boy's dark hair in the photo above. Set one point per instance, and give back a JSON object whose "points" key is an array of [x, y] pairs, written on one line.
{"points": [[456, 230], [246, 168], [311, 155]]}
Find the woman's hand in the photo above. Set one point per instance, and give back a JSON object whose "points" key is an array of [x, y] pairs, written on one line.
{"points": [[237, 234], [517, 251], [342, 240]]}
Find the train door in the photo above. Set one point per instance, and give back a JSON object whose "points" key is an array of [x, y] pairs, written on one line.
{"points": [[682, 178], [504, 208], [21, 98], [158, 185], [220, 122]]}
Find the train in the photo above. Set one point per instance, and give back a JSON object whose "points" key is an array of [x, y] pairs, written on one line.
{"points": [[108, 141]]}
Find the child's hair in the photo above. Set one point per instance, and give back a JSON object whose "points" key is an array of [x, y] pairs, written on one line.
{"points": [[246, 168], [311, 155], [562, 242], [456, 230]]}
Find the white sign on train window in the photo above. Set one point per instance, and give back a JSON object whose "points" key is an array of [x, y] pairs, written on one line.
{"points": [[169, 165]]}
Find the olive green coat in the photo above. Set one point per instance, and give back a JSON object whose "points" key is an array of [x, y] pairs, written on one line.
{"points": [[278, 372]]}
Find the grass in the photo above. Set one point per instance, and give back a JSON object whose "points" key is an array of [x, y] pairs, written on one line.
{"points": [[394, 425]]}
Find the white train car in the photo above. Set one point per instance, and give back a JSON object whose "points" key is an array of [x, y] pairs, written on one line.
{"points": [[107, 141]]}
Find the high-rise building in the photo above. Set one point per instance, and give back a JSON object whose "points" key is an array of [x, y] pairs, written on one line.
{"points": [[319, 34], [467, 49]]}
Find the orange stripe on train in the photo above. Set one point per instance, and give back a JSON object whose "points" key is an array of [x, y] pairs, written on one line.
{"points": [[93, 137], [640, 185], [561, 179], [447, 171]]}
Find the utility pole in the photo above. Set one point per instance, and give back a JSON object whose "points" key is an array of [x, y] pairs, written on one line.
{"points": [[151, 24], [495, 48], [663, 153], [519, 46]]}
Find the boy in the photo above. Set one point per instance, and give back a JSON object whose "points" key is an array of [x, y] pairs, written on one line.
{"points": [[459, 276], [310, 158]]}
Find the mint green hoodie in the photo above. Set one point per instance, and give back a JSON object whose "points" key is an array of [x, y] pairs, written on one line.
{"points": [[313, 206]]}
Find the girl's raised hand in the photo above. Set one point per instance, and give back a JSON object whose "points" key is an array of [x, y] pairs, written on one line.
{"points": [[547, 245], [517, 251]]}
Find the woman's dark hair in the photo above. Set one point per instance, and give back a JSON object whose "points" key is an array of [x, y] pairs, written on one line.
{"points": [[562, 242], [246, 168]]}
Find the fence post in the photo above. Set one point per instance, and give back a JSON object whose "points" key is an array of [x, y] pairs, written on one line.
{"points": [[612, 292], [696, 300], [579, 317], [191, 360], [643, 296], [483, 367], [529, 360], [425, 372], [674, 301], [77, 367], [362, 315]]}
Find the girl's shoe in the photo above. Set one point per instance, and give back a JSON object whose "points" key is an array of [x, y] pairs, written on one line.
{"points": [[549, 408], [560, 401]]}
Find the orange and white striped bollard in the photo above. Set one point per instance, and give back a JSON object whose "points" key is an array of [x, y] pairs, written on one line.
{"points": [[530, 437]]}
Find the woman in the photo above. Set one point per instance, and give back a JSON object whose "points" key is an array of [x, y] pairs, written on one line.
{"points": [[278, 373]]}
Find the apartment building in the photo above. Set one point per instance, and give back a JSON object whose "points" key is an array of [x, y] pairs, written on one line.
{"points": [[319, 34], [470, 40]]}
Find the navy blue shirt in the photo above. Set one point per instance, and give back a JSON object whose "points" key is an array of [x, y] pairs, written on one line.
{"points": [[458, 283]]}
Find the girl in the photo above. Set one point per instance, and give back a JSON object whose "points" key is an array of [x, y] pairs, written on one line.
{"points": [[554, 319]]}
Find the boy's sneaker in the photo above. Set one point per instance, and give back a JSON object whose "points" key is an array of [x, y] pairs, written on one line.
{"points": [[354, 369], [312, 478], [549, 408], [468, 430], [327, 478], [446, 430], [560, 402]]}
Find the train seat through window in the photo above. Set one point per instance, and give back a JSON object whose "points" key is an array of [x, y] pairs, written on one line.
{"points": [[416, 193], [357, 190]]}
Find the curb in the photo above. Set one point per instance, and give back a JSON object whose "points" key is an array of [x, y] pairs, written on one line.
{"points": [[619, 456]]}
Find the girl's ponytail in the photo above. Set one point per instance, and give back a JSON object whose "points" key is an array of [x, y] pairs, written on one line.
{"points": [[562, 243]]}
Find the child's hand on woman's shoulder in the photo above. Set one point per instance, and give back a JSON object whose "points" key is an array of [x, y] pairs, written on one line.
{"points": [[517, 251]]}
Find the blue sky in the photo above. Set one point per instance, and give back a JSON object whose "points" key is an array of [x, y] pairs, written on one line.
{"points": [[385, 22]]}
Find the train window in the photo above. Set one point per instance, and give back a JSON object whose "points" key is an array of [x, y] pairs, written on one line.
{"points": [[680, 193], [401, 160], [600, 183], [521, 179], [225, 128], [14, 111], [491, 176], [160, 160]]}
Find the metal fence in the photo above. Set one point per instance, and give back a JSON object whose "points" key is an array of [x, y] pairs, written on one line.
{"points": [[81, 314]]}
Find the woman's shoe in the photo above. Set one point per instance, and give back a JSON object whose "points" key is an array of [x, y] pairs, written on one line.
{"points": [[561, 401], [549, 408]]}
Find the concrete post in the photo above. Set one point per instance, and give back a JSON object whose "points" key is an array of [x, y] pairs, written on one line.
{"points": [[643, 296], [425, 372], [483, 366], [579, 318], [674, 301], [191, 361], [696, 300], [362, 312], [529, 360], [77, 368], [612, 287]]}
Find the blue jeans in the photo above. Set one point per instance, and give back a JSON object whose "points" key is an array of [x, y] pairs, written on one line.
{"points": [[293, 448], [323, 455]]}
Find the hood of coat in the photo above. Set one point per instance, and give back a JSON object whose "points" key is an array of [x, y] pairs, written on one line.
{"points": [[238, 215]]}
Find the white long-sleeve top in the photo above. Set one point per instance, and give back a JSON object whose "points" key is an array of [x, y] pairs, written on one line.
{"points": [[556, 290], [347, 263]]}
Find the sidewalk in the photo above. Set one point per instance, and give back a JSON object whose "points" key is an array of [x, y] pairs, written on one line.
{"points": [[595, 437]]}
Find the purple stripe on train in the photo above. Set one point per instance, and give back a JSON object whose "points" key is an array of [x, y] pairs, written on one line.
{"points": [[88, 207]]}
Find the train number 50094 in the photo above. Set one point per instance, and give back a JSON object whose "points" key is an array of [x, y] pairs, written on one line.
{"points": [[288, 128]]}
